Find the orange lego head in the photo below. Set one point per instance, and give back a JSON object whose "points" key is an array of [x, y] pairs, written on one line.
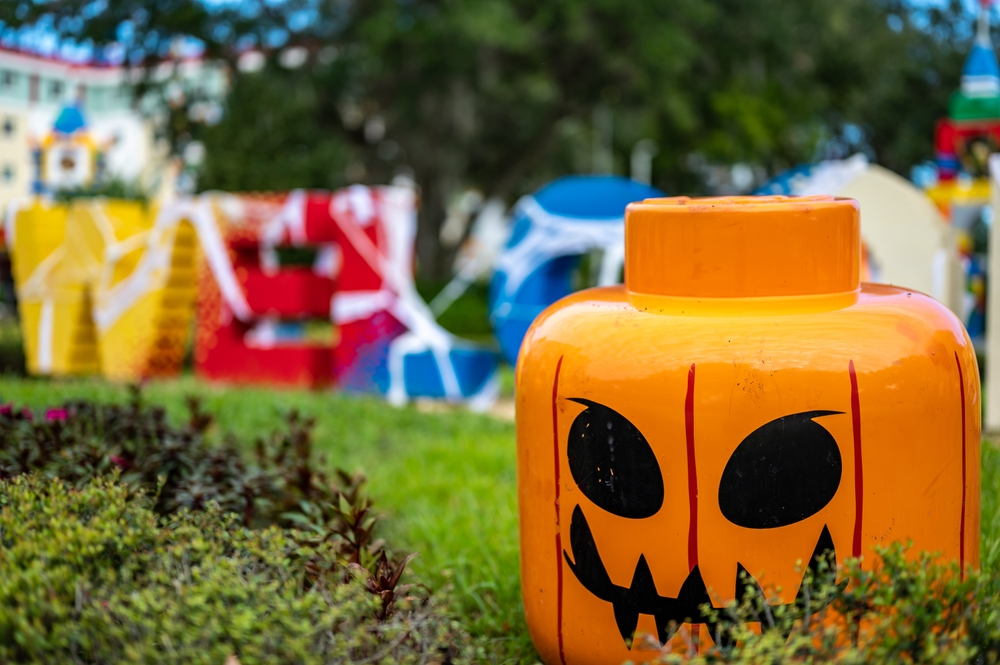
{"points": [[742, 409]]}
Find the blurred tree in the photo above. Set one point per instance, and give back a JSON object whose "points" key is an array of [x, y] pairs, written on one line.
{"points": [[500, 94], [272, 137]]}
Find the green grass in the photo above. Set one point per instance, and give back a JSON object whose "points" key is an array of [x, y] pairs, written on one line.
{"points": [[445, 482], [990, 552]]}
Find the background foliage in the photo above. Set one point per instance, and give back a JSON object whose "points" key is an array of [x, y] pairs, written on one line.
{"points": [[500, 94]]}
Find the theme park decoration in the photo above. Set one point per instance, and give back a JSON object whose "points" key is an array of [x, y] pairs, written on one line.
{"points": [[103, 285], [107, 286], [68, 157], [390, 342], [724, 415], [144, 314], [965, 139], [553, 230], [255, 334], [359, 242], [963, 144], [53, 300], [905, 238]]}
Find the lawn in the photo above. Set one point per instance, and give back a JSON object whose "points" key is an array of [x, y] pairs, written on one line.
{"points": [[445, 482]]}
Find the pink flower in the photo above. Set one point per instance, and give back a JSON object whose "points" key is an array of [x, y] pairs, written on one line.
{"points": [[56, 414], [6, 409], [27, 415], [120, 462]]}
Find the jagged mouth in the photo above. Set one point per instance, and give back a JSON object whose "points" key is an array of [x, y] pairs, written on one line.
{"points": [[641, 596]]}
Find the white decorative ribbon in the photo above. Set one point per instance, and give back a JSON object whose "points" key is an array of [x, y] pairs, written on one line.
{"points": [[356, 208], [552, 236], [153, 268], [290, 221]]}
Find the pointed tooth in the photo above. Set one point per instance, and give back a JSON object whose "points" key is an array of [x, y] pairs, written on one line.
{"points": [[692, 596], [817, 574], [664, 631], [626, 617], [824, 550], [643, 588]]}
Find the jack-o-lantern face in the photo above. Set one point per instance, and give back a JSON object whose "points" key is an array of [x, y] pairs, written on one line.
{"points": [[782, 473], [681, 488]]}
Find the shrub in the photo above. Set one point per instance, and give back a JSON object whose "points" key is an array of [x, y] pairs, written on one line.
{"points": [[127, 538], [282, 484], [92, 575], [906, 610]]}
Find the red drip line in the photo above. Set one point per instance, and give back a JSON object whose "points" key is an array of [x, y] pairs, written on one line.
{"points": [[692, 472], [961, 528], [859, 476], [559, 550]]}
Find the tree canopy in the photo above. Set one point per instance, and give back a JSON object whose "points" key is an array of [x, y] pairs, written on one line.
{"points": [[501, 94]]}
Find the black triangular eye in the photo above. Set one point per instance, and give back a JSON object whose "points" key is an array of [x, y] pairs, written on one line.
{"points": [[613, 464], [782, 473]]}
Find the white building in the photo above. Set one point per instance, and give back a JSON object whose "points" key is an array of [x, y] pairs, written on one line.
{"points": [[34, 89]]}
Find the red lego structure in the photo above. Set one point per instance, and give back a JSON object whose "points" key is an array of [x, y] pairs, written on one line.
{"points": [[358, 274], [259, 350], [964, 146]]}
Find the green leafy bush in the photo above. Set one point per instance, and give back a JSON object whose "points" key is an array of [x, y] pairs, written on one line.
{"points": [[92, 575], [284, 483], [906, 610], [126, 538]]}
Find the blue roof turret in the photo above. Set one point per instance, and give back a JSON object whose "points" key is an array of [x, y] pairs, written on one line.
{"points": [[70, 120]]}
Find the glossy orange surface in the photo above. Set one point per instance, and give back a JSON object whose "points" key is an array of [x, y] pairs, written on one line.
{"points": [[729, 247], [714, 382]]}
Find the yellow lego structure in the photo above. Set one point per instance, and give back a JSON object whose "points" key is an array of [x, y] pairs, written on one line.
{"points": [[103, 286]]}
